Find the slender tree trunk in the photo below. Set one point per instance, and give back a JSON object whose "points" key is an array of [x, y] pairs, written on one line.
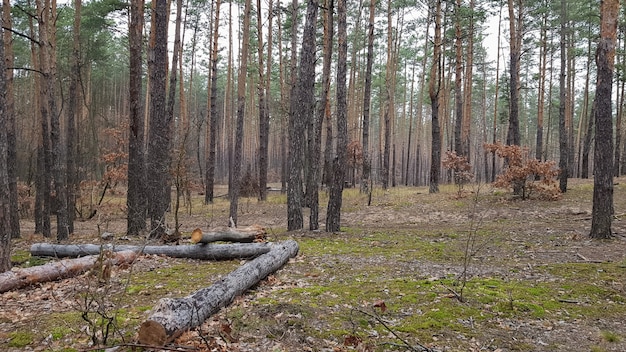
{"points": [[241, 109], [264, 120], [333, 214], [367, 97], [136, 196], [602, 213], [495, 105], [323, 109], [458, 80], [563, 150], [467, 93], [157, 164], [434, 88], [515, 31], [212, 116], [301, 112], [5, 209], [11, 129]]}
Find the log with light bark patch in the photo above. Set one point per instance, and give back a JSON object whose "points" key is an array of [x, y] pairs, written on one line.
{"points": [[62, 269], [203, 251], [254, 233], [172, 316]]}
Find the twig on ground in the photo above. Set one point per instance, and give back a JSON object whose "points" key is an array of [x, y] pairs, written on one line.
{"points": [[420, 347]]}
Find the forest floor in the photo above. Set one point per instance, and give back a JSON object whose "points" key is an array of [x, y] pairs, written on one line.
{"points": [[529, 277]]}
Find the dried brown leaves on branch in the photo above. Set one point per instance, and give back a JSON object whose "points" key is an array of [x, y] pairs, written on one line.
{"points": [[462, 170], [524, 174]]}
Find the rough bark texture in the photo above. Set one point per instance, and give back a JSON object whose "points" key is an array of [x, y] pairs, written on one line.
{"points": [[212, 118], [248, 234], [5, 218], [62, 269], [367, 97], [205, 252], [172, 316], [433, 92], [264, 117], [302, 109], [563, 150], [515, 32], [136, 195], [602, 213], [157, 163], [333, 213], [11, 123], [235, 185]]}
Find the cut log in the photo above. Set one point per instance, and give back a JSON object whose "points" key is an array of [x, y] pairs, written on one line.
{"points": [[204, 251], [254, 233], [62, 269], [172, 316]]}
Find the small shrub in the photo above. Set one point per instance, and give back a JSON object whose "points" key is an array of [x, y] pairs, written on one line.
{"points": [[526, 175], [461, 168]]}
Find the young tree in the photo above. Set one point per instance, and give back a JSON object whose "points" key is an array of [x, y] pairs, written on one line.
{"points": [[333, 213], [5, 212], [235, 185], [434, 87], [602, 213], [516, 31], [367, 96], [264, 117], [136, 193]]}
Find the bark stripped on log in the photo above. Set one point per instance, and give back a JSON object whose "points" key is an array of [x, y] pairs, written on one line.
{"points": [[205, 252], [62, 269], [254, 233], [172, 316]]}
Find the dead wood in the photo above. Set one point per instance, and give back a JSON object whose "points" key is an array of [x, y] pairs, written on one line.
{"points": [[62, 269], [254, 233], [172, 316], [204, 251]]}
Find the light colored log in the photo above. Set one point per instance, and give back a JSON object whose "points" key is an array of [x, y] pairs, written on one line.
{"points": [[172, 316], [254, 233], [62, 269], [205, 252]]}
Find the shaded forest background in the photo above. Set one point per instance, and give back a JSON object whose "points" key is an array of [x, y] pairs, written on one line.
{"points": [[200, 91]]}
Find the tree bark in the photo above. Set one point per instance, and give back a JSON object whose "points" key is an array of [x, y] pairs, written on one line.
{"points": [[5, 213], [247, 234], [516, 32], [434, 87], [10, 122], [235, 185], [62, 269], [563, 150], [136, 193], [333, 212], [205, 252], [172, 316], [602, 212], [212, 116]]}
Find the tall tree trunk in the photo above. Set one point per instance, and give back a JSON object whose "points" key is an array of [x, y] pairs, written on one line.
{"points": [[495, 105], [333, 214], [10, 122], [5, 209], [467, 94], [602, 213], [323, 109], [212, 115], [563, 150], [434, 87], [367, 97], [136, 194], [72, 113], [515, 31], [458, 80], [241, 110], [584, 173], [171, 102], [264, 121], [301, 112], [157, 163], [543, 49]]}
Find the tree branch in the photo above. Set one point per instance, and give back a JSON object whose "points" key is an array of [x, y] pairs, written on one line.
{"points": [[25, 69], [21, 35]]}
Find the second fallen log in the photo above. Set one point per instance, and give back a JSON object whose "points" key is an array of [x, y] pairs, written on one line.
{"points": [[172, 316], [204, 252]]}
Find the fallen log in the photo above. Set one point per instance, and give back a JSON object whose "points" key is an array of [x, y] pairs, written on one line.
{"points": [[204, 251], [172, 316], [11, 280], [254, 233]]}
